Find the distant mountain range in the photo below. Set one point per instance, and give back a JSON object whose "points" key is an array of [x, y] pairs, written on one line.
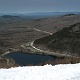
{"points": [[36, 15], [51, 13], [39, 13]]}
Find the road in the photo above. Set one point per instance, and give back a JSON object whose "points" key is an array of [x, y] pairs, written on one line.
{"points": [[7, 52], [33, 49], [43, 31]]}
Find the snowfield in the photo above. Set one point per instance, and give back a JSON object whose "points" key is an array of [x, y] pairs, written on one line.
{"points": [[46, 72]]}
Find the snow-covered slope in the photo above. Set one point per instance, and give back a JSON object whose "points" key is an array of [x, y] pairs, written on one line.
{"points": [[47, 72]]}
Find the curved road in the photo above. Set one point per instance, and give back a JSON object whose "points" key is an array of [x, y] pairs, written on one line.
{"points": [[33, 49], [43, 31]]}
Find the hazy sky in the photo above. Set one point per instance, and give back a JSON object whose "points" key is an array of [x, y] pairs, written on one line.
{"points": [[28, 6]]}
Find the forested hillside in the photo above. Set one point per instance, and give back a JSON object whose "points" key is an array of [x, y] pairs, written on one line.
{"points": [[66, 40]]}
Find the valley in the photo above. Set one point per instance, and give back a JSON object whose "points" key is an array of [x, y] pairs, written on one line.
{"points": [[16, 32]]}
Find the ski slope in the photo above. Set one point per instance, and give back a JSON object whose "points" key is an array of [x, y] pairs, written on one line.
{"points": [[46, 72]]}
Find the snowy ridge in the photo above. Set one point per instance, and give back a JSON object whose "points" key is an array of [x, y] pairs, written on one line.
{"points": [[46, 72]]}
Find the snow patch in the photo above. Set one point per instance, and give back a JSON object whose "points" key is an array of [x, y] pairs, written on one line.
{"points": [[46, 72]]}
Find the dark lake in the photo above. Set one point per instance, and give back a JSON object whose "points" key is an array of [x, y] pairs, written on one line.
{"points": [[26, 59]]}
